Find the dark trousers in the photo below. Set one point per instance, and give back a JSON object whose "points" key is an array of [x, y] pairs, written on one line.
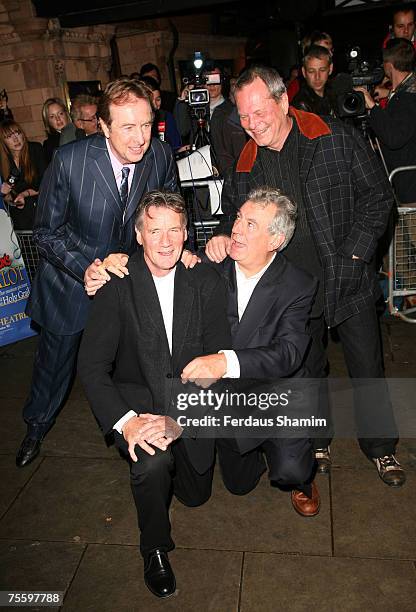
{"points": [[53, 372], [153, 479], [290, 461], [361, 342]]}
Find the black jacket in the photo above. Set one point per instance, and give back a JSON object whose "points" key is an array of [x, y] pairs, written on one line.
{"points": [[24, 218], [395, 126], [125, 334], [347, 198]]}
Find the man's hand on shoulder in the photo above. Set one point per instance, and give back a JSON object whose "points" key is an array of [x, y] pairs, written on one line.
{"points": [[218, 248], [189, 259], [206, 370], [116, 264], [96, 275]]}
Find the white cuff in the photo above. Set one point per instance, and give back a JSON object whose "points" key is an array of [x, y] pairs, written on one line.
{"points": [[233, 365], [121, 422]]}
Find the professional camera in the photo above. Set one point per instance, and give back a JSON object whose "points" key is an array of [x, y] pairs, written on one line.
{"points": [[198, 97], [361, 73]]}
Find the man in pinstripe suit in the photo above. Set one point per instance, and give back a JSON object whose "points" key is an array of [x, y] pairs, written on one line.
{"points": [[85, 211], [344, 201]]}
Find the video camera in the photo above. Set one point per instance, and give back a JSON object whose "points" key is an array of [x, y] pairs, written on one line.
{"points": [[198, 97], [361, 73]]}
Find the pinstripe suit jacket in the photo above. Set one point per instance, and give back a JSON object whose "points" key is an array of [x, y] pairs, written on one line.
{"points": [[79, 218], [347, 199]]}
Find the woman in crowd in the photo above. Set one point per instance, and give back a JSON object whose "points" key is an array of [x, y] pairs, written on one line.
{"points": [[58, 125], [22, 165]]}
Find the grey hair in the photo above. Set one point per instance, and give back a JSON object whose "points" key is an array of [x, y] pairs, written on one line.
{"points": [[284, 220], [78, 102], [161, 199], [270, 77]]}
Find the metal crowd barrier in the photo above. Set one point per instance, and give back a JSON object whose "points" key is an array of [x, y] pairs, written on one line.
{"points": [[29, 251], [402, 260]]}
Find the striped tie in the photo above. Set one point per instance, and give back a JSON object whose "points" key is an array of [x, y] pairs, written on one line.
{"points": [[124, 186]]}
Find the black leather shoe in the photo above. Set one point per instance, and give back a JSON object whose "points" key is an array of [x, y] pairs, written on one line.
{"points": [[28, 451], [158, 574]]}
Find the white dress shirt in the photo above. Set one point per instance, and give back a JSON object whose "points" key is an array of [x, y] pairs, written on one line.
{"points": [[117, 167], [245, 288]]}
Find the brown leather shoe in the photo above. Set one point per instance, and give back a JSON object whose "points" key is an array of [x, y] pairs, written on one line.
{"points": [[304, 505]]}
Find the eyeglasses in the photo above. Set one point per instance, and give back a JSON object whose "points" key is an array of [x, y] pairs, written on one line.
{"points": [[95, 119]]}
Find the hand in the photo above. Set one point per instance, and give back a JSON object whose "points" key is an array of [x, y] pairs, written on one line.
{"points": [[95, 277], [369, 102], [185, 91], [160, 429], [19, 200], [133, 434], [5, 188], [189, 259], [205, 370], [218, 248], [116, 263]]}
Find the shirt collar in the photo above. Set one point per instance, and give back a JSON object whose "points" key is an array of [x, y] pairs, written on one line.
{"points": [[255, 277], [116, 165]]}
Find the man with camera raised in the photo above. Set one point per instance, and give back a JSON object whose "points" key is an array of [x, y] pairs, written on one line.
{"points": [[222, 127], [395, 125]]}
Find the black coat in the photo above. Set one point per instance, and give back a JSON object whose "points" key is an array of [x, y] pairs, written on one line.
{"points": [[126, 333], [24, 218], [395, 126], [347, 198], [272, 337]]}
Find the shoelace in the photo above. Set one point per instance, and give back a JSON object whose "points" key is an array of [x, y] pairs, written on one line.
{"points": [[388, 461]]}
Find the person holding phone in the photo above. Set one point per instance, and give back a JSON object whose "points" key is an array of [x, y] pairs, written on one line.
{"points": [[22, 165]]}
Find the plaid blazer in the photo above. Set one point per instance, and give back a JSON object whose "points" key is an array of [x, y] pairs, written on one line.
{"points": [[79, 218], [347, 198]]}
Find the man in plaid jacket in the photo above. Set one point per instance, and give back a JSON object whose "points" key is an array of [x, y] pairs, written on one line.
{"points": [[344, 201]]}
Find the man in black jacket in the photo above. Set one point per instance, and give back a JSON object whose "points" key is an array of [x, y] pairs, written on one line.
{"points": [[395, 125], [315, 94], [142, 331], [344, 201], [269, 302]]}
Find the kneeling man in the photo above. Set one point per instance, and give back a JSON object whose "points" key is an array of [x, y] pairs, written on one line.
{"points": [[143, 329], [269, 303]]}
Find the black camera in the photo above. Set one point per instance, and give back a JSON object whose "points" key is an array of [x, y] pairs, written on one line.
{"points": [[14, 176], [351, 103]]}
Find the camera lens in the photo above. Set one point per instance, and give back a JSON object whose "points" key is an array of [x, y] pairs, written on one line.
{"points": [[352, 102]]}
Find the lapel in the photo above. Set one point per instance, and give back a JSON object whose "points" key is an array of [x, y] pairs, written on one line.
{"points": [[183, 299], [146, 295], [228, 272], [138, 184], [306, 152], [100, 167], [262, 300]]}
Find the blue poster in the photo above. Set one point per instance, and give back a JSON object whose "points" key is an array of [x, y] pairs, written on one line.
{"points": [[14, 285]]}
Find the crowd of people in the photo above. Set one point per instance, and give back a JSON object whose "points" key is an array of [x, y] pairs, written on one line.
{"points": [[305, 202]]}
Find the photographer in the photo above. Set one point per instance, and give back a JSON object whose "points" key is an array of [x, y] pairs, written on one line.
{"points": [[227, 137], [186, 122], [395, 125], [22, 165]]}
